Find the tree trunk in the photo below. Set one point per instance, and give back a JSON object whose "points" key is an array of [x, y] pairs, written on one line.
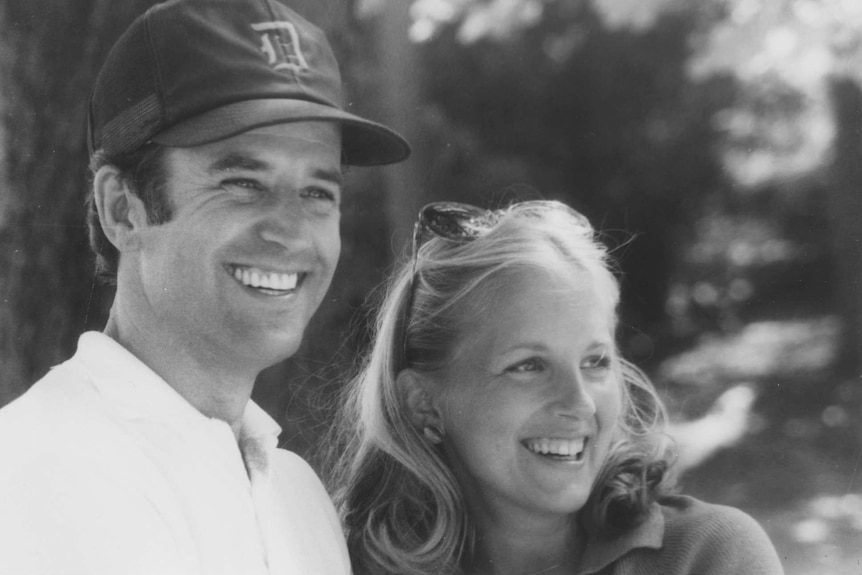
{"points": [[845, 212], [401, 85]]}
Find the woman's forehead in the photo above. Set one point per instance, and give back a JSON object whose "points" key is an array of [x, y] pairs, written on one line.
{"points": [[538, 309]]}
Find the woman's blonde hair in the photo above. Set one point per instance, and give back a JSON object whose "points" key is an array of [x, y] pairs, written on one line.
{"points": [[401, 506]]}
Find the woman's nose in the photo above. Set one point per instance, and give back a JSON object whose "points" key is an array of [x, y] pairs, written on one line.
{"points": [[573, 397]]}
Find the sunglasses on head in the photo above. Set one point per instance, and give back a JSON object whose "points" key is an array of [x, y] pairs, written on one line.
{"points": [[452, 221]]}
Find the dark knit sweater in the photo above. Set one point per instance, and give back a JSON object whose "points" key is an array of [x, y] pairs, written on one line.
{"points": [[685, 536]]}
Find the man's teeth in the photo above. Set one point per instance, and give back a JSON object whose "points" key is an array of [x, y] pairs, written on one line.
{"points": [[267, 280], [563, 447]]}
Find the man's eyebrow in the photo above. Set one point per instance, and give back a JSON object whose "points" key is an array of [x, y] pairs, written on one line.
{"points": [[334, 176], [237, 161]]}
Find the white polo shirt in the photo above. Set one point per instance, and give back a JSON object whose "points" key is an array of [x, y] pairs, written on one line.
{"points": [[105, 469]]}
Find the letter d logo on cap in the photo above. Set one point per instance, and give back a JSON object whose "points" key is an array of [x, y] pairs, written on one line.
{"points": [[279, 42]]}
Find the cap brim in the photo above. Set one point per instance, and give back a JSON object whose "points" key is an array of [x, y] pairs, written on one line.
{"points": [[363, 142]]}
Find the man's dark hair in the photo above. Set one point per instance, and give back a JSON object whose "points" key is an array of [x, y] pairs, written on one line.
{"points": [[146, 173]]}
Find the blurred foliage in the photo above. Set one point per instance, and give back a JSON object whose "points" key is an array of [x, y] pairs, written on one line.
{"points": [[705, 130]]}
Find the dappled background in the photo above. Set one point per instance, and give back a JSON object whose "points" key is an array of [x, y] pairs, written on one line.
{"points": [[716, 143]]}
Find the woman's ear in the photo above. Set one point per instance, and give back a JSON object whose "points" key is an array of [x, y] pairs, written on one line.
{"points": [[121, 212], [420, 401]]}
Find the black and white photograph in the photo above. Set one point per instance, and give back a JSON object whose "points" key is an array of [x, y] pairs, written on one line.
{"points": [[430, 287]]}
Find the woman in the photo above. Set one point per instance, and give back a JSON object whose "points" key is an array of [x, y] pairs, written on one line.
{"points": [[494, 428]]}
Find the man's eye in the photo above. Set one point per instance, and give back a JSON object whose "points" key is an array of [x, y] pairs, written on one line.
{"points": [[243, 183], [319, 194]]}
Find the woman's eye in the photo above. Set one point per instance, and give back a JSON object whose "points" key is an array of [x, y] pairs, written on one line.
{"points": [[598, 361], [527, 366]]}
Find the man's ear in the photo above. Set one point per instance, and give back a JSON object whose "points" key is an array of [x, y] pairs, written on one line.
{"points": [[420, 401], [121, 212]]}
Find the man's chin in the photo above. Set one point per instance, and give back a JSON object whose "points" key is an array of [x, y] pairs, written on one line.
{"points": [[276, 348]]}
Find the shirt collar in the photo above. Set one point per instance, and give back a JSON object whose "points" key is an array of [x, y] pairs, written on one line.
{"points": [[258, 437], [138, 392], [601, 552]]}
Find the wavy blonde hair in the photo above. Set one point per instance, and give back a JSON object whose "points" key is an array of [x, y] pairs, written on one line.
{"points": [[402, 507]]}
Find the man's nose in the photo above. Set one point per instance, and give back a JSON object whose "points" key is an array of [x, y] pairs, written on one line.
{"points": [[283, 221]]}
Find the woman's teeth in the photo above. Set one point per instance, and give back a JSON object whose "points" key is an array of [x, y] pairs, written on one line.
{"points": [[558, 447], [260, 279]]}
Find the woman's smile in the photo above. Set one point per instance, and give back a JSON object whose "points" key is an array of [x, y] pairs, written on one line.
{"points": [[557, 449]]}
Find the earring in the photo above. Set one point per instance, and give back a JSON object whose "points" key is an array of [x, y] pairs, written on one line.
{"points": [[432, 433]]}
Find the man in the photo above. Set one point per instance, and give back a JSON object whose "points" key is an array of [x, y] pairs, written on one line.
{"points": [[217, 141]]}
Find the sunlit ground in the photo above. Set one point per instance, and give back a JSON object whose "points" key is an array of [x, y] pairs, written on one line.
{"points": [[821, 535], [764, 424]]}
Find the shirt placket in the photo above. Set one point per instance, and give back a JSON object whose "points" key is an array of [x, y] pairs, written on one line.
{"points": [[257, 453]]}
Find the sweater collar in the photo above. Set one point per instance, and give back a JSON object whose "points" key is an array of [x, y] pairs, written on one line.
{"points": [[601, 552]]}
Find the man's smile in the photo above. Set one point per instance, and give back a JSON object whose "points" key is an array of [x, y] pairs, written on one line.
{"points": [[266, 282]]}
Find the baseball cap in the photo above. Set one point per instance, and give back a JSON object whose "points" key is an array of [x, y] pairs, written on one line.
{"points": [[191, 72]]}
